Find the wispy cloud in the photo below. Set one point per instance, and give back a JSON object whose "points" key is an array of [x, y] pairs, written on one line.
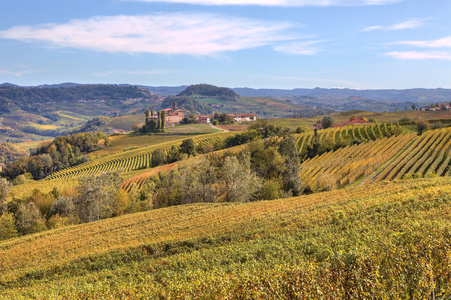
{"points": [[197, 34], [330, 82], [288, 3], [17, 73], [440, 43], [298, 47], [444, 43], [419, 55], [148, 72], [410, 24]]}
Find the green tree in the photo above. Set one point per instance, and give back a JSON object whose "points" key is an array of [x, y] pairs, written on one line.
{"points": [[147, 117], [7, 227], [291, 179], [188, 147], [163, 120], [422, 126], [327, 121], [158, 158], [5, 189], [239, 182]]}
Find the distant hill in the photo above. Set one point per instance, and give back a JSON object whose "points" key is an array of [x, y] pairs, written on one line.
{"points": [[414, 95], [210, 90], [44, 98]]}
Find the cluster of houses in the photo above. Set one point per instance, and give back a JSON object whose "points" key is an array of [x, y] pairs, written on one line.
{"points": [[436, 107], [176, 115]]}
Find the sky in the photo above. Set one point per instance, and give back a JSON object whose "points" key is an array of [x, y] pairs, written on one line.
{"points": [[357, 44]]}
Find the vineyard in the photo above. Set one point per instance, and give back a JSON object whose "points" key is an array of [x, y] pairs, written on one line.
{"points": [[130, 160], [426, 156], [362, 242], [388, 158], [140, 179], [357, 133], [350, 163]]}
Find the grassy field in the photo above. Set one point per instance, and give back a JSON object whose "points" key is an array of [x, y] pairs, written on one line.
{"points": [[380, 117], [382, 241], [191, 129]]}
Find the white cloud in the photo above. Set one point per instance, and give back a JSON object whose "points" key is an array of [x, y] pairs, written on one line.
{"points": [[148, 72], [288, 3], [17, 73], [298, 47], [410, 24], [177, 33], [440, 43], [414, 55], [422, 55]]}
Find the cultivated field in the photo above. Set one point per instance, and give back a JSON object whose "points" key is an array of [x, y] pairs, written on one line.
{"points": [[349, 243]]}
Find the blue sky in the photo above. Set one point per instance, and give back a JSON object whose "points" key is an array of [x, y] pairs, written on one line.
{"points": [[363, 44]]}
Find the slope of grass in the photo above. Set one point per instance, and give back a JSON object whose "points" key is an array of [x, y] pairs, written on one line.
{"points": [[382, 241]]}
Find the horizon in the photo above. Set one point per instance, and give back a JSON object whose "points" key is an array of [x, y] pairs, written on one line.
{"points": [[240, 87], [276, 44]]}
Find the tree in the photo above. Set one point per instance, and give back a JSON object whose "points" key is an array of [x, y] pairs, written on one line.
{"points": [[7, 227], [163, 120], [97, 196], [239, 182], [291, 179], [327, 121], [422, 126], [414, 107], [147, 117], [5, 189], [29, 219], [158, 157], [106, 141], [188, 147]]}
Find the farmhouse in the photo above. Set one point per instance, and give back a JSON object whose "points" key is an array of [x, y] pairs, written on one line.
{"points": [[205, 119], [437, 107], [244, 117], [354, 121]]}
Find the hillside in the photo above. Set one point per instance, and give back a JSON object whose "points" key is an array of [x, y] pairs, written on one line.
{"points": [[373, 210], [349, 243]]}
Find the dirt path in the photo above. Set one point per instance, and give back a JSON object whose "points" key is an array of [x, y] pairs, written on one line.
{"points": [[225, 130]]}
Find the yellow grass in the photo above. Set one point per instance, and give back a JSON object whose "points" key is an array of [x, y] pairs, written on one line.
{"points": [[194, 221]]}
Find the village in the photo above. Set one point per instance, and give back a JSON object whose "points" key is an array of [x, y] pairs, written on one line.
{"points": [[174, 116]]}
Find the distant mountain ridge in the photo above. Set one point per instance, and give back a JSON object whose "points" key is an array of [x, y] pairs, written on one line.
{"points": [[413, 95]]}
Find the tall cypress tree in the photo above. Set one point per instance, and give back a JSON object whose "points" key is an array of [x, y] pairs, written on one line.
{"points": [[163, 120], [159, 120], [147, 117]]}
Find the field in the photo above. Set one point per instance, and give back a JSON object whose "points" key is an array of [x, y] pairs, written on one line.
{"points": [[131, 159], [376, 225], [381, 241], [191, 129]]}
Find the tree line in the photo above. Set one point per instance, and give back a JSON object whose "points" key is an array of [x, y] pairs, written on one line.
{"points": [[49, 157]]}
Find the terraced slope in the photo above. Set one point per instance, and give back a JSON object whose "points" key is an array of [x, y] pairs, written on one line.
{"points": [[129, 160], [350, 163], [378, 241], [427, 155], [361, 132]]}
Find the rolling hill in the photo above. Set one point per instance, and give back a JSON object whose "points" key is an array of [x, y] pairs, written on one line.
{"points": [[380, 241]]}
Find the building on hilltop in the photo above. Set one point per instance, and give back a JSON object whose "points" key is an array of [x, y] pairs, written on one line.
{"points": [[354, 121], [174, 115]]}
